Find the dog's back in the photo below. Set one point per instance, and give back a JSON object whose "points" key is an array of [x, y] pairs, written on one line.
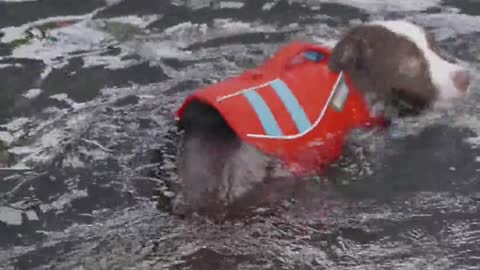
{"points": [[216, 167]]}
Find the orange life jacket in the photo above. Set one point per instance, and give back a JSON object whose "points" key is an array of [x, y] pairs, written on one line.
{"points": [[292, 107]]}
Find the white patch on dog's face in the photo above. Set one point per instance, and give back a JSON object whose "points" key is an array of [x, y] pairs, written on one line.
{"points": [[440, 70]]}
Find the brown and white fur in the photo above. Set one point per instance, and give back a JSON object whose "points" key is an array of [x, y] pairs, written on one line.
{"points": [[395, 62], [398, 61]]}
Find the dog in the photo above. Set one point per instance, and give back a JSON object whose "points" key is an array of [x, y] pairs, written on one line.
{"points": [[396, 64]]}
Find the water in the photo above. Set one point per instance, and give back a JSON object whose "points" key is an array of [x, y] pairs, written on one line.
{"points": [[87, 92]]}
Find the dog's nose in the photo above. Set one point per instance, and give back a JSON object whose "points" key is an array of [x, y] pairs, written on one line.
{"points": [[461, 79]]}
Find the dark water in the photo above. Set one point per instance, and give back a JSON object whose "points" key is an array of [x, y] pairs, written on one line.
{"points": [[86, 102]]}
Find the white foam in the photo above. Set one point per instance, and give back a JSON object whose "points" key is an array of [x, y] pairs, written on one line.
{"points": [[329, 43], [231, 4], [32, 93], [6, 137], [73, 162], [64, 97], [46, 71], [450, 25], [31, 215], [111, 62], [59, 97], [10, 65], [229, 26], [48, 137], [13, 1], [13, 33], [382, 5], [95, 154], [10, 216], [43, 149], [60, 44], [233, 26], [112, 2], [21, 150], [68, 39], [16, 124], [158, 50], [63, 200], [473, 123], [139, 21], [268, 6], [185, 27], [19, 167]]}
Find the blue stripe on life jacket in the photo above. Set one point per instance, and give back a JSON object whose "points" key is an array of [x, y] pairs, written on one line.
{"points": [[293, 106], [264, 113]]}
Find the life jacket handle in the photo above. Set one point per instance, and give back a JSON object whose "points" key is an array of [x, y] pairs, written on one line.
{"points": [[287, 54], [281, 62]]}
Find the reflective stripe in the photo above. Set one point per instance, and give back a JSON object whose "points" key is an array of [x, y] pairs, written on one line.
{"points": [[293, 106], [264, 114]]}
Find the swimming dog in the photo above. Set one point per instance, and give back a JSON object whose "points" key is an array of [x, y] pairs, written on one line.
{"points": [[396, 64]]}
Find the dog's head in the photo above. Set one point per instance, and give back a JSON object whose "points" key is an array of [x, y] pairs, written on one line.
{"points": [[399, 63]]}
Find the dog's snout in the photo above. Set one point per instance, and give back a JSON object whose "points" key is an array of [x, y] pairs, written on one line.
{"points": [[461, 79]]}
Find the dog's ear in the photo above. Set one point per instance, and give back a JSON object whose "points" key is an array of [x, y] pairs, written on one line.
{"points": [[348, 54]]}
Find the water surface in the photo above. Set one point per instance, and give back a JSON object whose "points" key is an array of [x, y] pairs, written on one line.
{"points": [[87, 91]]}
